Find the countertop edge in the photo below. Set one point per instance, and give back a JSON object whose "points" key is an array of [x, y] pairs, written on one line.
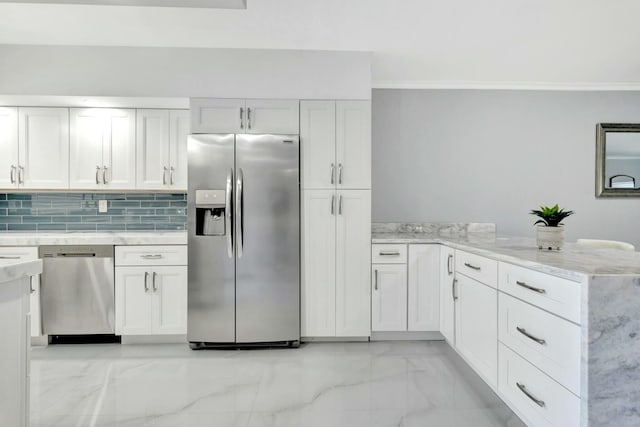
{"points": [[16, 270]]}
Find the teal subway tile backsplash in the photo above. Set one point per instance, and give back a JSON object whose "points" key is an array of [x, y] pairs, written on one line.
{"points": [[62, 212]]}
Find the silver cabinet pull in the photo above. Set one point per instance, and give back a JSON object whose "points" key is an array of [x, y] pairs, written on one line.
{"points": [[171, 170], [146, 280], [9, 257], [228, 215], [524, 332], [449, 264], [248, 118], [340, 206], [531, 288], [375, 279], [32, 290], [333, 174], [97, 174], [20, 174], [164, 175], [453, 289], [523, 389], [333, 204], [241, 118], [389, 253], [151, 256], [104, 175], [471, 266], [239, 213], [153, 281], [339, 173], [13, 174]]}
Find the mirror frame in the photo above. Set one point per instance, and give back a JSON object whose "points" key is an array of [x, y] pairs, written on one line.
{"points": [[601, 148]]}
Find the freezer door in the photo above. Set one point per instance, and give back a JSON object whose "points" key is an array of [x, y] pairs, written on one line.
{"points": [[267, 238], [211, 297]]}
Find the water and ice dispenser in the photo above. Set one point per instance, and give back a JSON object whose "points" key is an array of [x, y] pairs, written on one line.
{"points": [[210, 212]]}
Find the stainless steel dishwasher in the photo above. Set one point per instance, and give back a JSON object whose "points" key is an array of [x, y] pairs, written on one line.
{"points": [[77, 290]]}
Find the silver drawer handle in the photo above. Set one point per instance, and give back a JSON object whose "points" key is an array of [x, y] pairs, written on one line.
{"points": [[524, 332], [9, 257], [531, 288], [389, 253], [473, 267], [523, 389], [154, 256]]}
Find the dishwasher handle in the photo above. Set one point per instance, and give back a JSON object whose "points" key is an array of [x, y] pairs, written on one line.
{"points": [[77, 255]]}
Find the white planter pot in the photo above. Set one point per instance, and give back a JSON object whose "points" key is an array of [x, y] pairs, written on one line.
{"points": [[549, 238]]}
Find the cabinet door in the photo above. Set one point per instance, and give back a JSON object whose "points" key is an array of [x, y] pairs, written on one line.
{"points": [[8, 147], [423, 302], [44, 148], [353, 263], [34, 302], [389, 297], [152, 149], [318, 294], [85, 148], [353, 144], [169, 308], [179, 123], [133, 294], [119, 155], [318, 143], [447, 304], [212, 115], [477, 327], [280, 116]]}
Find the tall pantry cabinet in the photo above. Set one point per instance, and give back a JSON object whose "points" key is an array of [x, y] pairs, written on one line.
{"points": [[335, 140]]}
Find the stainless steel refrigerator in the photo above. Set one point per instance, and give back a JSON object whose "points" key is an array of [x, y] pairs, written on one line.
{"points": [[244, 240]]}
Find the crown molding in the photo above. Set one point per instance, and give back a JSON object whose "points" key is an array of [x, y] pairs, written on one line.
{"points": [[491, 85]]}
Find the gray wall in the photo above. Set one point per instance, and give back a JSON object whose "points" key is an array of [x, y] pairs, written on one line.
{"points": [[491, 156]]}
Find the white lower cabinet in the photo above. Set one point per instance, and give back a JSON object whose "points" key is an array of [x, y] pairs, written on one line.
{"points": [[151, 300], [477, 326], [423, 288], [389, 297], [447, 302], [26, 254]]}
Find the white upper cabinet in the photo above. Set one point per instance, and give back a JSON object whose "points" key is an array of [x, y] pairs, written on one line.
{"points": [[318, 143], [423, 311], [211, 115], [318, 293], [44, 148], [353, 263], [161, 141], [336, 144], [272, 116], [447, 302], [152, 142], [8, 147], [102, 148], [389, 297], [353, 144]]}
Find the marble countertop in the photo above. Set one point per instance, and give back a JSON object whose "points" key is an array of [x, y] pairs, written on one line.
{"points": [[107, 238], [11, 269], [574, 262]]}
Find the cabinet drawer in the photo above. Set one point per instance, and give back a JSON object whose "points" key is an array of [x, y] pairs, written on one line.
{"points": [[151, 255], [559, 296], [22, 253], [482, 269], [555, 407], [389, 254], [550, 343]]}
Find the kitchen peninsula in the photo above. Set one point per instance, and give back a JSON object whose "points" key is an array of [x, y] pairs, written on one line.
{"points": [[555, 334], [15, 345]]}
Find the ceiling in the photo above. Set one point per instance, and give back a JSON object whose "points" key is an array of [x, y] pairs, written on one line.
{"points": [[582, 44]]}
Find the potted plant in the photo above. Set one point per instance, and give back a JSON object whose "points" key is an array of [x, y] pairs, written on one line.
{"points": [[550, 232]]}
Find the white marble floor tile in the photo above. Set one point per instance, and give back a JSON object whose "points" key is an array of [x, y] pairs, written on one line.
{"points": [[377, 384]]}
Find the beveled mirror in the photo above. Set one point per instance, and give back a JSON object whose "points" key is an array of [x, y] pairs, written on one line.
{"points": [[618, 160]]}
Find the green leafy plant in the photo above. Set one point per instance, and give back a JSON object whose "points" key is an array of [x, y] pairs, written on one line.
{"points": [[551, 217]]}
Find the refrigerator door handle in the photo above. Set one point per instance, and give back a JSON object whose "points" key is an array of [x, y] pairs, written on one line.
{"points": [[239, 215], [229, 214]]}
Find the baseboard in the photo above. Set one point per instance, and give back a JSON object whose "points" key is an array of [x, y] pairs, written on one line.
{"points": [[407, 336], [154, 339], [334, 339]]}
